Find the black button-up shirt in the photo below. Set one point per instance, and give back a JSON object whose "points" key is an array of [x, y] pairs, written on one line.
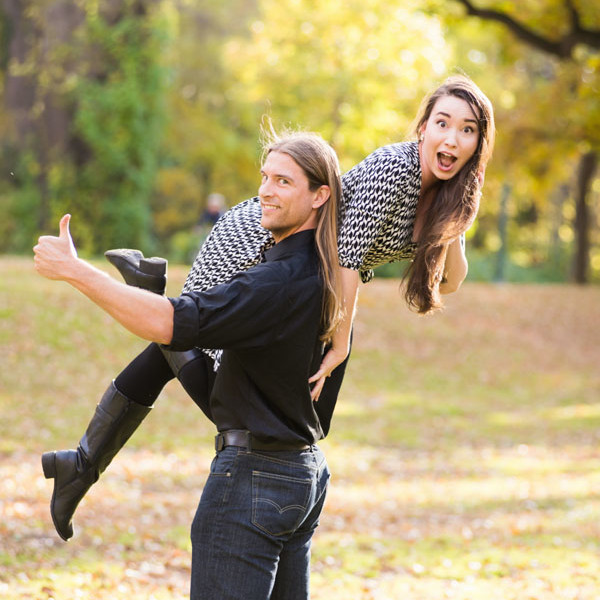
{"points": [[267, 320]]}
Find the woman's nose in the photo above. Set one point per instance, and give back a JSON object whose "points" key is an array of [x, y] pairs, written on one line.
{"points": [[451, 137]]}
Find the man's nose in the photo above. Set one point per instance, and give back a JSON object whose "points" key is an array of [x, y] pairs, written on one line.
{"points": [[265, 188]]}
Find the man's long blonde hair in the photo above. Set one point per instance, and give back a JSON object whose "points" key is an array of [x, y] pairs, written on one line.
{"points": [[320, 164]]}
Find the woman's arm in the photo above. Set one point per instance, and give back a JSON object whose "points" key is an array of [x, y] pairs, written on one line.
{"points": [[455, 268], [340, 346]]}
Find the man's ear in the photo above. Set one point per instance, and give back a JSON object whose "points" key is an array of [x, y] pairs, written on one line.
{"points": [[322, 195]]}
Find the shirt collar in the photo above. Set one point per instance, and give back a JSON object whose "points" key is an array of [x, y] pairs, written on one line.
{"points": [[291, 244]]}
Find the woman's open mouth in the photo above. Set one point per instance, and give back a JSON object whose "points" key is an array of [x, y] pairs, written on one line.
{"points": [[445, 161]]}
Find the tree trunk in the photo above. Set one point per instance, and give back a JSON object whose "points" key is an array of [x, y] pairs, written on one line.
{"points": [[587, 168], [41, 120], [502, 255]]}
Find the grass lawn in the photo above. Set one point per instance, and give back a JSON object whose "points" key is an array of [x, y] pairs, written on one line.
{"points": [[465, 451]]}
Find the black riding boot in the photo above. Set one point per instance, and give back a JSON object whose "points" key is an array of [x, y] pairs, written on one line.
{"points": [[150, 274], [147, 273], [74, 471], [115, 419]]}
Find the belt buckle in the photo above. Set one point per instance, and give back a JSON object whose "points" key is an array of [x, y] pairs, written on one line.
{"points": [[219, 442]]}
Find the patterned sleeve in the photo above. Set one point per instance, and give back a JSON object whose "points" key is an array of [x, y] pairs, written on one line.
{"points": [[371, 190], [236, 243]]}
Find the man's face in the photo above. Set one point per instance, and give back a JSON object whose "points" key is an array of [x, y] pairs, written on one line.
{"points": [[287, 204]]}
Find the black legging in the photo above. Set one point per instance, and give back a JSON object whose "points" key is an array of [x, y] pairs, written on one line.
{"points": [[143, 379]]}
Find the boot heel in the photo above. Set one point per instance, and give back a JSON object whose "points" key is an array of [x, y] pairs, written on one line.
{"points": [[49, 465], [153, 266]]}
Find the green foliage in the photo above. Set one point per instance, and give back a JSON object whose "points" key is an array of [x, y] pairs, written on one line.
{"points": [[103, 80], [119, 120], [163, 105], [210, 140], [546, 119], [20, 201], [355, 71]]}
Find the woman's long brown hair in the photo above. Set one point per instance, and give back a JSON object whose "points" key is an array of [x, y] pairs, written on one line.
{"points": [[319, 162], [456, 203]]}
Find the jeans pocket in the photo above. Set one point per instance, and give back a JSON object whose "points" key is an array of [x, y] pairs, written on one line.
{"points": [[220, 479], [223, 463], [279, 502]]}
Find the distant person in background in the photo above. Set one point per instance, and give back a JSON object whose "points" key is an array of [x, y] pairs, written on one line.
{"points": [[409, 200], [214, 210]]}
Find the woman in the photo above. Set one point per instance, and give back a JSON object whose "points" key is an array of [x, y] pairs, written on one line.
{"points": [[411, 200]]}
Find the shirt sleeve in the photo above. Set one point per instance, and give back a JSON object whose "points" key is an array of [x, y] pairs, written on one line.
{"points": [[237, 314], [372, 190]]}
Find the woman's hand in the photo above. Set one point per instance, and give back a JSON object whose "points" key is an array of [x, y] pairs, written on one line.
{"points": [[331, 360]]}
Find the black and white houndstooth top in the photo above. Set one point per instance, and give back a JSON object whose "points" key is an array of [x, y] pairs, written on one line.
{"points": [[377, 215]]}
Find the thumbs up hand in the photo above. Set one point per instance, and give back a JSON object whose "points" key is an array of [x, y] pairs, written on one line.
{"points": [[55, 257]]}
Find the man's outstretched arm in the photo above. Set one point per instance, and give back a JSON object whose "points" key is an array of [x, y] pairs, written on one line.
{"points": [[144, 313]]}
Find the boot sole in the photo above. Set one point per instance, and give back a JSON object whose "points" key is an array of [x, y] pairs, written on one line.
{"points": [[49, 468]]}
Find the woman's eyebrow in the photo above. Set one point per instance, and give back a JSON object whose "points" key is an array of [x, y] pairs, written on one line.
{"points": [[445, 114]]}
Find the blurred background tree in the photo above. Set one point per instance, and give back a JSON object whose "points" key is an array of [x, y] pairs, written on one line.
{"points": [[562, 76], [83, 94], [129, 113]]}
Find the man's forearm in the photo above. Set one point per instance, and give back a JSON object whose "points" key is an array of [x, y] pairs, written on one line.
{"points": [[144, 313]]}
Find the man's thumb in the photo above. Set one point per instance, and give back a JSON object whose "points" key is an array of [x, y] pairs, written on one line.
{"points": [[64, 227]]}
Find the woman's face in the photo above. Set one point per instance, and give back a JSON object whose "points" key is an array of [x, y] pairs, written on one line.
{"points": [[449, 139]]}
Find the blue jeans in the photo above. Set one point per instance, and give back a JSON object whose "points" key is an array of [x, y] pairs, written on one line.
{"points": [[252, 531]]}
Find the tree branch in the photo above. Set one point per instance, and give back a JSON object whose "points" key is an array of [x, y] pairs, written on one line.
{"points": [[575, 22], [562, 47]]}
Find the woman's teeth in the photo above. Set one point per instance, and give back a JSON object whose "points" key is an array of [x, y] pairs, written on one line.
{"points": [[446, 160]]}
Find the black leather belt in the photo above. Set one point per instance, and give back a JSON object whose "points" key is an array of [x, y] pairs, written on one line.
{"points": [[244, 439]]}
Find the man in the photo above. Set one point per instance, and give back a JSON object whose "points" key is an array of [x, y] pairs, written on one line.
{"points": [[261, 504]]}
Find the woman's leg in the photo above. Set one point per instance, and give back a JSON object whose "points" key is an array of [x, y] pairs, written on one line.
{"points": [[121, 410], [195, 371], [116, 418], [127, 400], [145, 376]]}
